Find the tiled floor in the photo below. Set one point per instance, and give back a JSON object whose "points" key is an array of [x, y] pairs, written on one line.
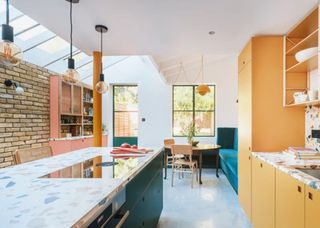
{"points": [[214, 204]]}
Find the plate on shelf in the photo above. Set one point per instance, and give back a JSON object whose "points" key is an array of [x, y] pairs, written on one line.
{"points": [[305, 54]]}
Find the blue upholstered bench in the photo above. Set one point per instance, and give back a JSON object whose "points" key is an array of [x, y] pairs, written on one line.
{"points": [[228, 140]]}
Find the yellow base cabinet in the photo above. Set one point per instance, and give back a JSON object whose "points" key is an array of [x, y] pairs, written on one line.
{"points": [[312, 207], [263, 194], [244, 189], [289, 201]]}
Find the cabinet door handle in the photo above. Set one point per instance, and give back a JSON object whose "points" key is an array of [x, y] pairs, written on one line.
{"points": [[249, 148], [299, 188], [249, 158], [310, 196], [261, 165], [243, 62]]}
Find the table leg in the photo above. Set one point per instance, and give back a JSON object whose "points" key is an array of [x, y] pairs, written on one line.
{"points": [[217, 165], [165, 163], [200, 168]]}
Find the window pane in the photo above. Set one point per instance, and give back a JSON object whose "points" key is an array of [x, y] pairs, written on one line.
{"points": [[126, 124], [54, 45], [125, 98], [206, 102], [32, 33], [180, 121], [205, 123], [22, 23], [183, 98]]}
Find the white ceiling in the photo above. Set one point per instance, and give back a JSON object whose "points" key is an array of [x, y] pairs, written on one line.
{"points": [[167, 28]]}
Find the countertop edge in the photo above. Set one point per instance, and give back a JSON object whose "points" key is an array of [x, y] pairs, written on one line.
{"points": [[289, 169], [100, 207]]}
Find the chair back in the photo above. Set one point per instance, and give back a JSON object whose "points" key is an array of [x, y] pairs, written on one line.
{"points": [[169, 142], [182, 149], [31, 154]]}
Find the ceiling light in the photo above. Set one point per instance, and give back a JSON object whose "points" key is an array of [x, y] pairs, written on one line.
{"points": [[212, 33], [101, 86], [71, 75], [202, 89], [10, 53]]}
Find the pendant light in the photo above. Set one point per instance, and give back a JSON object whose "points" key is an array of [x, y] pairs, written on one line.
{"points": [[10, 53], [101, 86], [202, 89], [71, 75]]}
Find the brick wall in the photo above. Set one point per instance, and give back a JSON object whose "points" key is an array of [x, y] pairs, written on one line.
{"points": [[24, 119]]}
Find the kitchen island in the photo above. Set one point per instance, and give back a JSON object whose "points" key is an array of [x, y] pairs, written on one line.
{"points": [[44, 193]]}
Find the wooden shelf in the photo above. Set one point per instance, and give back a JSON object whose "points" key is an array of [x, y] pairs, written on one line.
{"points": [[306, 103], [87, 116], [306, 66], [306, 26], [68, 114], [308, 42], [88, 124], [71, 124], [88, 102]]}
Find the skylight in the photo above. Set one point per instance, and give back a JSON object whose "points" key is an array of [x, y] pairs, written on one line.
{"points": [[54, 45], [22, 23], [32, 33]]}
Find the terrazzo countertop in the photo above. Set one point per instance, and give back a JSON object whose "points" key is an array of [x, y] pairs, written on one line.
{"points": [[286, 164], [26, 200]]}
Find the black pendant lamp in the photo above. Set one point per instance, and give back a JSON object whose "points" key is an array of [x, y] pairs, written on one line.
{"points": [[71, 75], [101, 86], [10, 53]]}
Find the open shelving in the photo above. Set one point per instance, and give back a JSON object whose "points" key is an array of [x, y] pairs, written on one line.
{"points": [[297, 74], [76, 109]]}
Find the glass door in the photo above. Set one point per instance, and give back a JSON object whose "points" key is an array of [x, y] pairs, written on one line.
{"points": [[125, 114]]}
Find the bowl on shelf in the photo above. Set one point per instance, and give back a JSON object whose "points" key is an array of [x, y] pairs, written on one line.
{"points": [[305, 54], [300, 97]]}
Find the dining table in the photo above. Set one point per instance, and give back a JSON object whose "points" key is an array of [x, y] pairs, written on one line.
{"points": [[197, 151]]}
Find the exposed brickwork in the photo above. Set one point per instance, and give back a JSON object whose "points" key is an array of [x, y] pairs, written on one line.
{"points": [[24, 119]]}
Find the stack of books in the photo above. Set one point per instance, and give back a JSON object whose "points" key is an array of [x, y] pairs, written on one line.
{"points": [[302, 153]]}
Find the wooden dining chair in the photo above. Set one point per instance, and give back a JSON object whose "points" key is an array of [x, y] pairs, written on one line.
{"points": [[170, 142], [183, 165], [31, 154]]}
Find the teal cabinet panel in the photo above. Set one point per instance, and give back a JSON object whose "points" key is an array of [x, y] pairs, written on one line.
{"points": [[144, 196]]}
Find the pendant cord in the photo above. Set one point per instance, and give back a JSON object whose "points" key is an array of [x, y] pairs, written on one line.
{"points": [[202, 68], [71, 30], [7, 15], [101, 49]]}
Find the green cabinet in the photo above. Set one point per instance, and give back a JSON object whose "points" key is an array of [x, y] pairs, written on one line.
{"points": [[144, 196]]}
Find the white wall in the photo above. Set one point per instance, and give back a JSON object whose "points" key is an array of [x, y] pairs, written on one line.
{"points": [[155, 97]]}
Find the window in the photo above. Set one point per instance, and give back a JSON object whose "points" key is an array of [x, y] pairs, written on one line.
{"points": [[189, 107], [125, 101]]}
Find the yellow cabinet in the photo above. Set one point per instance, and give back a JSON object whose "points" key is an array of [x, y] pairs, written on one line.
{"points": [[263, 194], [244, 189], [312, 207], [289, 201], [244, 155]]}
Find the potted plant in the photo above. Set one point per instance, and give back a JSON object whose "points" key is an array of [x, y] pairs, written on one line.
{"points": [[190, 130]]}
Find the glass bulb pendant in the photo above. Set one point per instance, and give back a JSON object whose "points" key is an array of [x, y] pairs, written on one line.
{"points": [[101, 86], [71, 76], [10, 53]]}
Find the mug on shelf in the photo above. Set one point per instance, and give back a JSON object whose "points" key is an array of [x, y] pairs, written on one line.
{"points": [[312, 95]]}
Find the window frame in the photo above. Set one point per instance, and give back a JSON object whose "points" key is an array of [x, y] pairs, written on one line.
{"points": [[114, 111], [193, 109]]}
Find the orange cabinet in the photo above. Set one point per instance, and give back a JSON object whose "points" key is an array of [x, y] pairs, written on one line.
{"points": [[263, 194], [290, 194], [312, 207]]}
